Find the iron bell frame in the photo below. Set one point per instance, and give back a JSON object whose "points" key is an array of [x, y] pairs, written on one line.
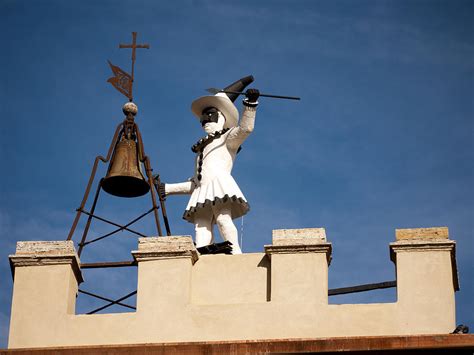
{"points": [[127, 129]]}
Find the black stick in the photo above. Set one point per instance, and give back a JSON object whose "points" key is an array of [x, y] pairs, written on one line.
{"points": [[215, 91]]}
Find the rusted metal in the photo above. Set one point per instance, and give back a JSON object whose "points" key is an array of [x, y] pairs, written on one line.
{"points": [[112, 302], [89, 219], [156, 183], [127, 130], [361, 288], [105, 299], [133, 46], [121, 80], [149, 172], [92, 177], [118, 229], [107, 264], [114, 224], [124, 178], [153, 196]]}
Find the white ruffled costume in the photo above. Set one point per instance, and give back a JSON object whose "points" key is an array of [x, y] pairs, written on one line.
{"points": [[216, 198]]}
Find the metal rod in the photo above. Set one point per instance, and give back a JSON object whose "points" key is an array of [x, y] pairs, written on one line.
{"points": [[105, 299], [152, 193], [118, 229], [134, 35], [91, 180], [115, 224], [112, 303], [361, 288], [149, 171], [89, 219], [108, 264], [213, 90], [157, 182], [134, 46]]}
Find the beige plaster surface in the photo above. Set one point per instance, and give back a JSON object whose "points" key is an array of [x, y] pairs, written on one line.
{"points": [[273, 295], [221, 279]]}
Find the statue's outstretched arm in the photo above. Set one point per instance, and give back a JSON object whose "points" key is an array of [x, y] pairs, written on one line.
{"points": [[182, 188]]}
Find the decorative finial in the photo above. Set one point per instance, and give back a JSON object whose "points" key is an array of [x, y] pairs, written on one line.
{"points": [[131, 108]]}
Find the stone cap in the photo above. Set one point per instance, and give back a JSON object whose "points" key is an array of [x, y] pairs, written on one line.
{"points": [[422, 233], [301, 236], [425, 239], [421, 239], [302, 240], [39, 253], [172, 247]]}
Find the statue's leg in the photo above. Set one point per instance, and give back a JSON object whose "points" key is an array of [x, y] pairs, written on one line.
{"points": [[203, 229], [227, 228]]}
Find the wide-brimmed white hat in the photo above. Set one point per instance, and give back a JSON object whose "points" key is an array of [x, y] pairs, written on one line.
{"points": [[223, 102]]}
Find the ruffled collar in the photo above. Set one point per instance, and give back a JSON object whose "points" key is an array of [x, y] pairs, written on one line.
{"points": [[203, 142]]}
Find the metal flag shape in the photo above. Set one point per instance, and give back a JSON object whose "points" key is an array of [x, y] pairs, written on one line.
{"points": [[122, 81]]}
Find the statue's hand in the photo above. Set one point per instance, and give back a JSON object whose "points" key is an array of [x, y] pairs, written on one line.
{"points": [[252, 95], [162, 190], [160, 187]]}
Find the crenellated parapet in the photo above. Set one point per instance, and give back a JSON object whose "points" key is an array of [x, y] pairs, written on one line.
{"points": [[279, 294]]}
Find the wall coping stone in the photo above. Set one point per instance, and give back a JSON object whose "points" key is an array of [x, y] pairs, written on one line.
{"points": [[41, 253], [303, 240], [300, 236], [422, 233], [172, 247]]}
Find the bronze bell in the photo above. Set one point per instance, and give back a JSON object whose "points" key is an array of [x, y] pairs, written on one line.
{"points": [[124, 178]]}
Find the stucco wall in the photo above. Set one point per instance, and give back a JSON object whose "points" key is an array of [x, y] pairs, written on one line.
{"points": [[281, 293]]}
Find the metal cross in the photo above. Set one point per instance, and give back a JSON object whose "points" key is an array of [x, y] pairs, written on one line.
{"points": [[134, 46]]}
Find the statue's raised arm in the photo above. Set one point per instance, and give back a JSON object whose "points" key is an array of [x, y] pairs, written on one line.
{"points": [[238, 134]]}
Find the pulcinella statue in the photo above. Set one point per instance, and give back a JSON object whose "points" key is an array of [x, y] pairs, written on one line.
{"points": [[215, 196]]}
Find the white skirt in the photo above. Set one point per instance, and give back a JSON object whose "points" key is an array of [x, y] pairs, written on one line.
{"points": [[221, 191]]}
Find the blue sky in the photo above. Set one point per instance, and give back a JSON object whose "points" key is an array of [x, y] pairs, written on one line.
{"points": [[382, 138]]}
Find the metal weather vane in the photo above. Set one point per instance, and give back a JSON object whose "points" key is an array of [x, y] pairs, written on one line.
{"points": [[121, 80]]}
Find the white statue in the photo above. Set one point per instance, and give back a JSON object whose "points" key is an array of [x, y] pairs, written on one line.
{"points": [[215, 196]]}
